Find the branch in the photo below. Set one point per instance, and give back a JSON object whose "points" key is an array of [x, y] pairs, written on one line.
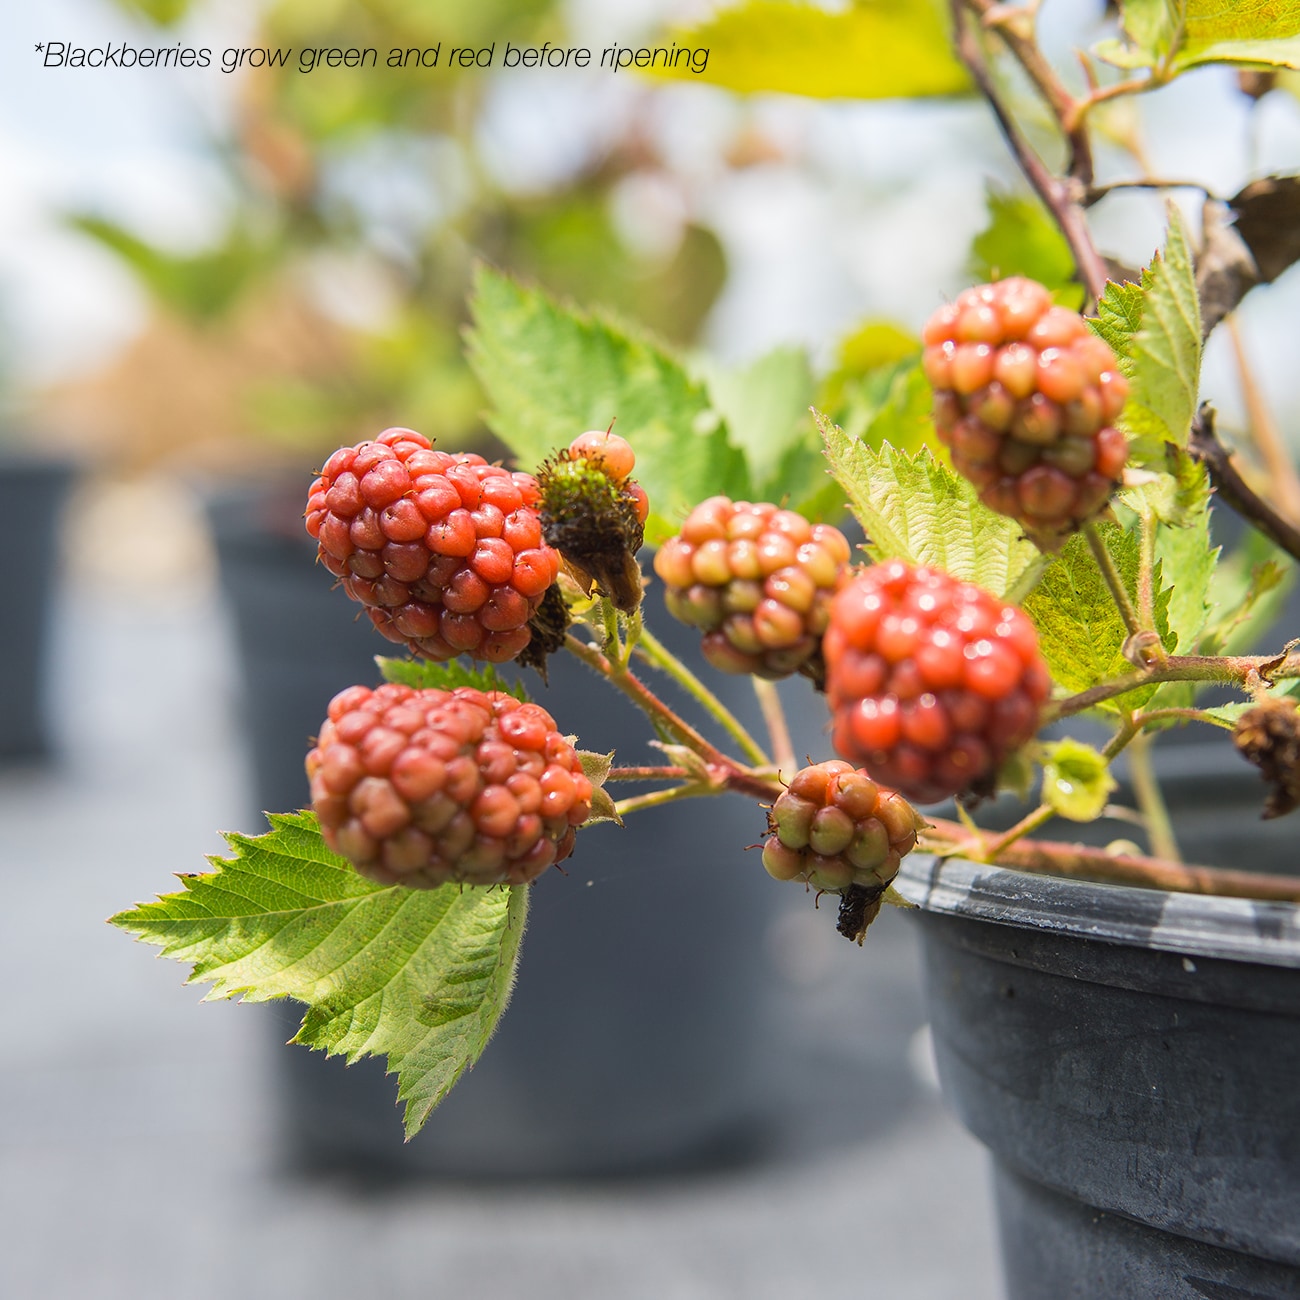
{"points": [[1052, 858], [1062, 197], [1204, 445], [1229, 669], [1065, 108]]}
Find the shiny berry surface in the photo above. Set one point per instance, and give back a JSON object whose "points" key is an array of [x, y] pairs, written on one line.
{"points": [[424, 787], [445, 552], [932, 682]]}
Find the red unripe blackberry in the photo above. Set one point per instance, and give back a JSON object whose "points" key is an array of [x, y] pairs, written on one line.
{"points": [[835, 827], [931, 682], [444, 551], [756, 580], [422, 787], [1025, 399]]}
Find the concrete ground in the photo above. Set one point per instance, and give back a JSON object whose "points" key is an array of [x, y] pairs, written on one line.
{"points": [[138, 1145]]}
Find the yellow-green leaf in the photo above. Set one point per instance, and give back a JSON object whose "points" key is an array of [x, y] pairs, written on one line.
{"points": [[420, 976], [874, 49], [1155, 330], [1171, 36], [1076, 780]]}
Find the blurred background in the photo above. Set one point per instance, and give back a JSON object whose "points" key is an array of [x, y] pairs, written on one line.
{"points": [[209, 281]]}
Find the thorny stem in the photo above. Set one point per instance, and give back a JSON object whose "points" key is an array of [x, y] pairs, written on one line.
{"points": [[1030, 822], [1113, 580], [1263, 428], [644, 698], [769, 700], [723, 773], [658, 798], [1073, 120], [1150, 801], [1097, 192], [1019, 39], [1229, 669], [1057, 859], [647, 774], [655, 653], [1062, 196], [1147, 567], [1204, 445]]}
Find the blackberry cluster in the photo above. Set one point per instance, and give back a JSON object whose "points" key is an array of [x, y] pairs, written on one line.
{"points": [[445, 552], [757, 580], [422, 787], [1025, 398], [835, 827], [931, 682]]}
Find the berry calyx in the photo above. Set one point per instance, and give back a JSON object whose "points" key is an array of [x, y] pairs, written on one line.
{"points": [[932, 682], [1268, 735], [445, 552], [757, 580], [594, 515], [1025, 399], [423, 787], [834, 827]]}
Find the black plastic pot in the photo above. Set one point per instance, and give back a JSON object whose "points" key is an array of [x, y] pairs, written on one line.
{"points": [[636, 1039], [1131, 1059], [32, 492]]}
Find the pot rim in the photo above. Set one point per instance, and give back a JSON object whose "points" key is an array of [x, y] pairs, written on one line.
{"points": [[1203, 925]]}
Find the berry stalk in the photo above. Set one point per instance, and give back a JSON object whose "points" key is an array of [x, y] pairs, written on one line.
{"points": [[1229, 669]]}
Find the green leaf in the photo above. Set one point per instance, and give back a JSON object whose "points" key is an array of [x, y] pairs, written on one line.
{"points": [[1076, 780], [914, 509], [891, 405], [163, 12], [200, 287], [1080, 630], [1174, 35], [1155, 329], [1022, 239], [424, 674], [1178, 504], [765, 406], [420, 976], [873, 49], [553, 372], [1247, 593]]}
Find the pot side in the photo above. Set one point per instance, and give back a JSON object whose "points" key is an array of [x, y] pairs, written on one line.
{"points": [[1131, 1059]]}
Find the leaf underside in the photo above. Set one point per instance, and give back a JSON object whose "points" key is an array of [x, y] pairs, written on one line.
{"points": [[873, 49], [418, 976]]}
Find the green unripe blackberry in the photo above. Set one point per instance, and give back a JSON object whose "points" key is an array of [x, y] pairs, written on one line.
{"points": [[756, 580], [834, 827]]}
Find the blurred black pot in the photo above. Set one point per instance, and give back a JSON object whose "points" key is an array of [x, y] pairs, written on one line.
{"points": [[635, 1040], [32, 493], [1129, 1057]]}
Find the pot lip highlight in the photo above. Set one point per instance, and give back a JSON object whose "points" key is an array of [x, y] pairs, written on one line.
{"points": [[1197, 925]]}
